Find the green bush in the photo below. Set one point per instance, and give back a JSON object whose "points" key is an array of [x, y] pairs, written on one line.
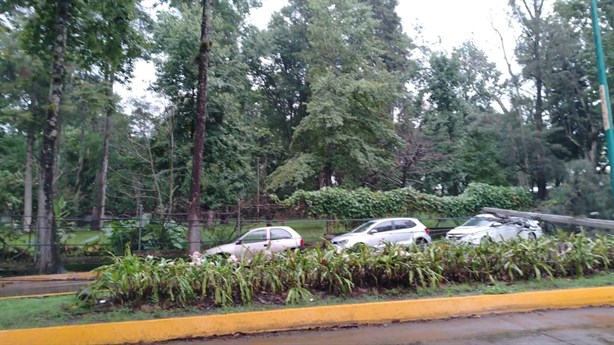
{"points": [[336, 203], [296, 276], [154, 236]]}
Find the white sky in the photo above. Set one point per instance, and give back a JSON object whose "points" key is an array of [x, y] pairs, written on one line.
{"points": [[445, 24]]}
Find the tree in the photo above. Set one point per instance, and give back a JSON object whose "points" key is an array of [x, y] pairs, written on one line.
{"points": [[24, 84], [49, 259], [348, 123], [199, 130], [112, 43], [276, 58], [530, 52], [226, 163], [574, 79]]}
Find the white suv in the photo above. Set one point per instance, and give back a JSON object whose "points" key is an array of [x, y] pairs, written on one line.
{"points": [[403, 231]]}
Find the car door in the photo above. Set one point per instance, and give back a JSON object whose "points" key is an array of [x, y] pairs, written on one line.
{"points": [[254, 241], [506, 231], [380, 233], [281, 240], [403, 231]]}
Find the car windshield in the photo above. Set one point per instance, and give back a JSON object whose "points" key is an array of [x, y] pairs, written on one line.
{"points": [[479, 221], [363, 227]]}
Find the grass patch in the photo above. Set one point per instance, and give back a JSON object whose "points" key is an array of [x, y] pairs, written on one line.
{"points": [[67, 310]]}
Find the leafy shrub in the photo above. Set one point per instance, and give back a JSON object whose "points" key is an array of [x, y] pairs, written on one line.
{"points": [[168, 235], [336, 203], [297, 276]]}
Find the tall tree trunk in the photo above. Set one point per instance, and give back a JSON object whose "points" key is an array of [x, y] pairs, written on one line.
{"points": [[171, 184], [49, 259], [27, 193], [539, 123], [99, 210], [199, 130], [80, 164]]}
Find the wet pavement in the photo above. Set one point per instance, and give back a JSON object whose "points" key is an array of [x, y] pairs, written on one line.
{"points": [[44, 284], [586, 326]]}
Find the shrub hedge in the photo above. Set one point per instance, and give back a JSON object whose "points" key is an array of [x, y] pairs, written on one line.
{"points": [[337, 203], [296, 276]]}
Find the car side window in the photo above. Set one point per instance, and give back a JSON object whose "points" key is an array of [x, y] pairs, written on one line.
{"points": [[383, 227], [255, 236], [279, 234], [404, 224]]}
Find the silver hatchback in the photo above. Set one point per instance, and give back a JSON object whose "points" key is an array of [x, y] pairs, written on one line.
{"points": [[377, 232]]}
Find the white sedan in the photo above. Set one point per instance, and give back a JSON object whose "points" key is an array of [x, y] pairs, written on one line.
{"points": [[487, 227], [271, 239]]}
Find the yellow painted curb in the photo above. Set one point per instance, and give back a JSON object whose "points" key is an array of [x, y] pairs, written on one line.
{"points": [[287, 319]]}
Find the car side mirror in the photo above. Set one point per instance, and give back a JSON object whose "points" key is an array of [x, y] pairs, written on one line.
{"points": [[373, 231], [495, 224], [239, 242]]}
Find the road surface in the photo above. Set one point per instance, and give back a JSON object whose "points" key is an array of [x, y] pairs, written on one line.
{"points": [[587, 326]]}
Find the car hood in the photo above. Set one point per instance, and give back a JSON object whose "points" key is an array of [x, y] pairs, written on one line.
{"points": [[467, 230], [347, 236], [225, 248]]}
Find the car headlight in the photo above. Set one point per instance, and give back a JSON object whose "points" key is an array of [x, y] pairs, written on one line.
{"points": [[341, 242]]}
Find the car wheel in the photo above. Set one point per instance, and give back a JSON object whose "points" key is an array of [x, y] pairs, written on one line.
{"points": [[222, 256], [421, 242], [359, 246], [486, 240]]}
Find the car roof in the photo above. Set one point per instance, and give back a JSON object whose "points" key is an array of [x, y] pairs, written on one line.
{"points": [[486, 215], [275, 227], [393, 218]]}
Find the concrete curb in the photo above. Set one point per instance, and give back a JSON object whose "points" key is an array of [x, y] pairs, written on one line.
{"points": [[303, 318]]}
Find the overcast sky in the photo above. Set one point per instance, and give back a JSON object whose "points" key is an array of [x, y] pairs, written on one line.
{"points": [[448, 22], [444, 24]]}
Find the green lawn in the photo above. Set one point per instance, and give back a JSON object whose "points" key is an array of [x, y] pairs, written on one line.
{"points": [[63, 310]]}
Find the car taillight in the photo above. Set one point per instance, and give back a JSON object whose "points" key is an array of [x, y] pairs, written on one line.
{"points": [[427, 231], [302, 242]]}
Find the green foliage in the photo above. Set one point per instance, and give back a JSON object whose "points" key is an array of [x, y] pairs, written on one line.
{"points": [[336, 203], [584, 193], [10, 194], [122, 233], [299, 276]]}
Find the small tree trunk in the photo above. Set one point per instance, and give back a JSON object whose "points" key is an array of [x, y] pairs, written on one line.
{"points": [[80, 164], [210, 218], [99, 210], [199, 130], [27, 193], [171, 183]]}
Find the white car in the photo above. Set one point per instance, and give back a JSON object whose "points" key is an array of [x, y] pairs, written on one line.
{"points": [[272, 239], [377, 232], [488, 227]]}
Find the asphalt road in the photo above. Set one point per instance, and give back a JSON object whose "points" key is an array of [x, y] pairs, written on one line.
{"points": [[44, 284], [587, 326]]}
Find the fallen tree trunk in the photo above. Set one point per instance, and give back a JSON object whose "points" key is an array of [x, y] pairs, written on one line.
{"points": [[553, 218]]}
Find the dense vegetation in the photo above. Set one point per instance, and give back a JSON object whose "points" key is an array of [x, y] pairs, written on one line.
{"points": [[330, 94], [335, 203], [298, 276]]}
